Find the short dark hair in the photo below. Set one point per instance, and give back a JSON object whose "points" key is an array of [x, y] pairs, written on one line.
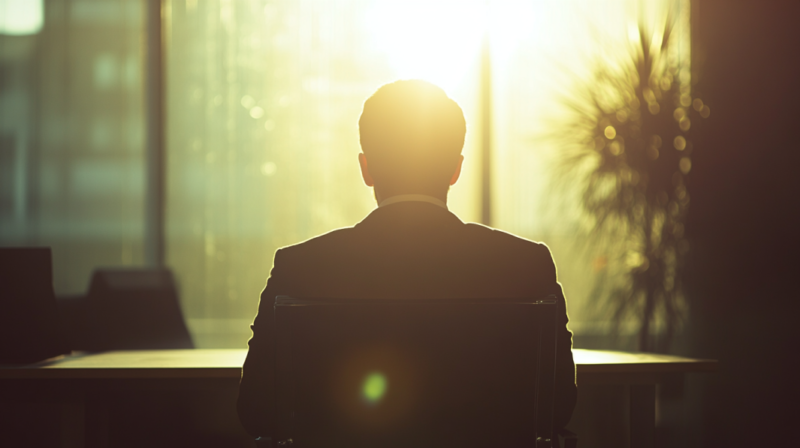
{"points": [[412, 135]]}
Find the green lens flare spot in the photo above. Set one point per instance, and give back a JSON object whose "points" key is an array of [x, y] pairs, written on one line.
{"points": [[374, 387]]}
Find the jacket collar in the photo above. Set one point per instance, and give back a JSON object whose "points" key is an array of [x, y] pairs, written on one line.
{"points": [[409, 212], [412, 198]]}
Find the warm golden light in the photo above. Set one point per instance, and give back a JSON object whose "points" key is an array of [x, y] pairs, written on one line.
{"points": [[680, 143], [433, 40], [440, 40], [263, 100], [685, 165]]}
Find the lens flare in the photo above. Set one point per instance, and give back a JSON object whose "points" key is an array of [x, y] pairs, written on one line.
{"points": [[374, 387]]}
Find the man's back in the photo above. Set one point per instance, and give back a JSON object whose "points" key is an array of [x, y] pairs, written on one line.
{"points": [[408, 250], [419, 250]]}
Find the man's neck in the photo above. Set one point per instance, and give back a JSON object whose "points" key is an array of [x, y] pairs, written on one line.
{"points": [[412, 198], [380, 196]]}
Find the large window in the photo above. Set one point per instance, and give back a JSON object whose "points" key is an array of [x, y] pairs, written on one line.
{"points": [[262, 101], [71, 133]]}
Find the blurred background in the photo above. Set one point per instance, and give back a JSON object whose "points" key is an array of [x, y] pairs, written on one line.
{"points": [[262, 100], [258, 144]]}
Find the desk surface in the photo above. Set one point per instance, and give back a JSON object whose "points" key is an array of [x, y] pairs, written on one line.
{"points": [[227, 363]]}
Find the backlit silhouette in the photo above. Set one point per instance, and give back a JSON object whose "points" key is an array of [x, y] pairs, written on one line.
{"points": [[410, 247]]}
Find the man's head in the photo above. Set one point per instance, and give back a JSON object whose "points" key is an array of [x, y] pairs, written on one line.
{"points": [[411, 137]]}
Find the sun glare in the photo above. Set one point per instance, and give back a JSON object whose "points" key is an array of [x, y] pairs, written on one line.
{"points": [[433, 40], [440, 40]]}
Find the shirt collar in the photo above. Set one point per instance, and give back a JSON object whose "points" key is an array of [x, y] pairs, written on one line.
{"points": [[412, 198]]}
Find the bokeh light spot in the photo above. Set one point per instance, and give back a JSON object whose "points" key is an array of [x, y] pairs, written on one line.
{"points": [[599, 143], [374, 387], [269, 168], [610, 132], [657, 141], [685, 165], [649, 95], [680, 143], [248, 101], [257, 112]]}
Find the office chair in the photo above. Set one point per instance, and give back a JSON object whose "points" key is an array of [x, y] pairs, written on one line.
{"points": [[29, 326], [133, 309], [421, 373]]}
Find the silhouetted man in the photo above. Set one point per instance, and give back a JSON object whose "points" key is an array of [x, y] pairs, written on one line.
{"points": [[411, 246]]}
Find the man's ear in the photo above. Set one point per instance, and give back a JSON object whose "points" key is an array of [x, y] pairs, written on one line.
{"points": [[457, 173], [362, 160]]}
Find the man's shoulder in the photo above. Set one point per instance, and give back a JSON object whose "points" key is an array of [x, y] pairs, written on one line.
{"points": [[470, 234], [501, 239], [327, 240]]}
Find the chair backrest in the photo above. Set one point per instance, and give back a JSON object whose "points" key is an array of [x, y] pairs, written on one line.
{"points": [[135, 309], [421, 373], [29, 327]]}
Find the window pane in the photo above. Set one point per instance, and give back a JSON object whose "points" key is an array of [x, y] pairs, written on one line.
{"points": [[543, 52], [263, 99], [71, 136]]}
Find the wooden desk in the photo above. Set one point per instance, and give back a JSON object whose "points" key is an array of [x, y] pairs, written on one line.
{"points": [[94, 374], [641, 373]]}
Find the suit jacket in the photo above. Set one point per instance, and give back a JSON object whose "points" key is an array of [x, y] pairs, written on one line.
{"points": [[402, 250]]}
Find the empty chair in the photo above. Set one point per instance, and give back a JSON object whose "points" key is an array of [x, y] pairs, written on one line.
{"points": [[29, 327], [134, 309], [421, 373], [72, 311]]}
